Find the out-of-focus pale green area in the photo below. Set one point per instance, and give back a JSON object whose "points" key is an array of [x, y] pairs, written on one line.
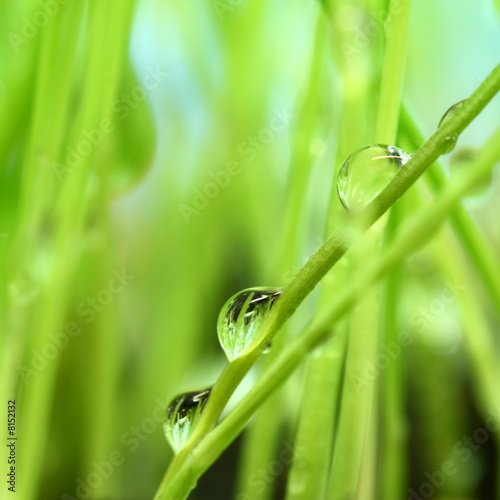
{"points": [[155, 159]]}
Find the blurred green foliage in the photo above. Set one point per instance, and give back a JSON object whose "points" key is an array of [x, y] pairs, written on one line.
{"points": [[155, 158]]}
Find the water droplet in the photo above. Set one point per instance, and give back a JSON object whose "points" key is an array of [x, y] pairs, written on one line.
{"points": [[182, 415], [242, 316], [449, 143], [366, 172], [267, 347]]}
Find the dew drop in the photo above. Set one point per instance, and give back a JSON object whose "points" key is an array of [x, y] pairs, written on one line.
{"points": [[242, 316], [182, 415], [366, 172], [267, 347], [449, 143]]}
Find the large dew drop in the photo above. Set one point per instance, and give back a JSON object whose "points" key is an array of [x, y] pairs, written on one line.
{"points": [[242, 316], [366, 172], [450, 142], [182, 415]]}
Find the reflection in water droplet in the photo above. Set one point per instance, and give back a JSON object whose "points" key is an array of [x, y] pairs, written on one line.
{"points": [[267, 347], [450, 142], [242, 316], [182, 415], [366, 172]]}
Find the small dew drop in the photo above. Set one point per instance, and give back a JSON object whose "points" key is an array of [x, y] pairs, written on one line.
{"points": [[267, 347], [182, 416], [242, 316], [366, 172], [449, 143]]}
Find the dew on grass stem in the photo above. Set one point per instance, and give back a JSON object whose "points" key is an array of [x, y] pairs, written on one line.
{"points": [[450, 142], [267, 347], [182, 415], [242, 316], [366, 172]]}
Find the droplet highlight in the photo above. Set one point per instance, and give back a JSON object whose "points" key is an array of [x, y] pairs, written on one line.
{"points": [[182, 416], [449, 142], [366, 172], [242, 316], [267, 347]]}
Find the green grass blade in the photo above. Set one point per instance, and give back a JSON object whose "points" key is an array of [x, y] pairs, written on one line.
{"points": [[334, 248]]}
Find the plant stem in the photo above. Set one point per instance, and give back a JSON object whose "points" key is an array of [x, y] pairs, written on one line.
{"points": [[478, 337], [309, 276], [393, 72], [54, 210], [354, 443], [392, 428], [478, 249], [51, 99], [308, 476], [408, 240], [262, 438], [322, 385], [390, 390]]}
